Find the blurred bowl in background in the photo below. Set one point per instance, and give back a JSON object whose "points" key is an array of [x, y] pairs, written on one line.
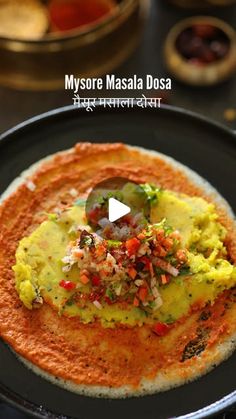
{"points": [[189, 4], [201, 51], [91, 50]]}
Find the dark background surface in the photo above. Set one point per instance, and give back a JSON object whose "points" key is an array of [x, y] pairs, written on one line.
{"points": [[16, 106]]}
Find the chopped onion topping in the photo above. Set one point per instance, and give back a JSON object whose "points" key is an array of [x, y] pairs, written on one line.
{"points": [[166, 266], [97, 304]]}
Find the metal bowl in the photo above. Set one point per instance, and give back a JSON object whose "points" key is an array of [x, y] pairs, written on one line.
{"points": [[208, 74], [91, 51]]}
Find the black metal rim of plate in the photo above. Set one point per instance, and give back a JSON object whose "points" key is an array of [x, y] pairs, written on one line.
{"points": [[38, 411], [71, 108]]}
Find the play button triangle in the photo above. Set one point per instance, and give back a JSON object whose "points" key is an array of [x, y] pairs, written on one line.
{"points": [[117, 209]]}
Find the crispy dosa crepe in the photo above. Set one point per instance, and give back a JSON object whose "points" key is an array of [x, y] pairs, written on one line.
{"points": [[88, 358]]}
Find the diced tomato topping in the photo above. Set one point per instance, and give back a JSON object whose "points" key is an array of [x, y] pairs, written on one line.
{"points": [[132, 246], [95, 214], [146, 261], [148, 265], [181, 255], [108, 300], [142, 293], [100, 250], [168, 243], [159, 251], [141, 236], [127, 219], [160, 234], [67, 285], [84, 272], [84, 279], [132, 273], [175, 235], [136, 302], [78, 253], [94, 296], [103, 273], [151, 270], [165, 279], [160, 329], [96, 281]]}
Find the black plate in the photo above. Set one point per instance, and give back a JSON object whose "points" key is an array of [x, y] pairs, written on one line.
{"points": [[202, 145]]}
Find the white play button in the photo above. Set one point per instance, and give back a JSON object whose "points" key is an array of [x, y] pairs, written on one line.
{"points": [[116, 210], [118, 200]]}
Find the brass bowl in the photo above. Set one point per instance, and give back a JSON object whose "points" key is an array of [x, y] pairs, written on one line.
{"points": [[91, 51], [189, 73]]}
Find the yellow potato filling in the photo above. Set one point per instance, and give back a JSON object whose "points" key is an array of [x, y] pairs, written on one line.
{"points": [[39, 265]]}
